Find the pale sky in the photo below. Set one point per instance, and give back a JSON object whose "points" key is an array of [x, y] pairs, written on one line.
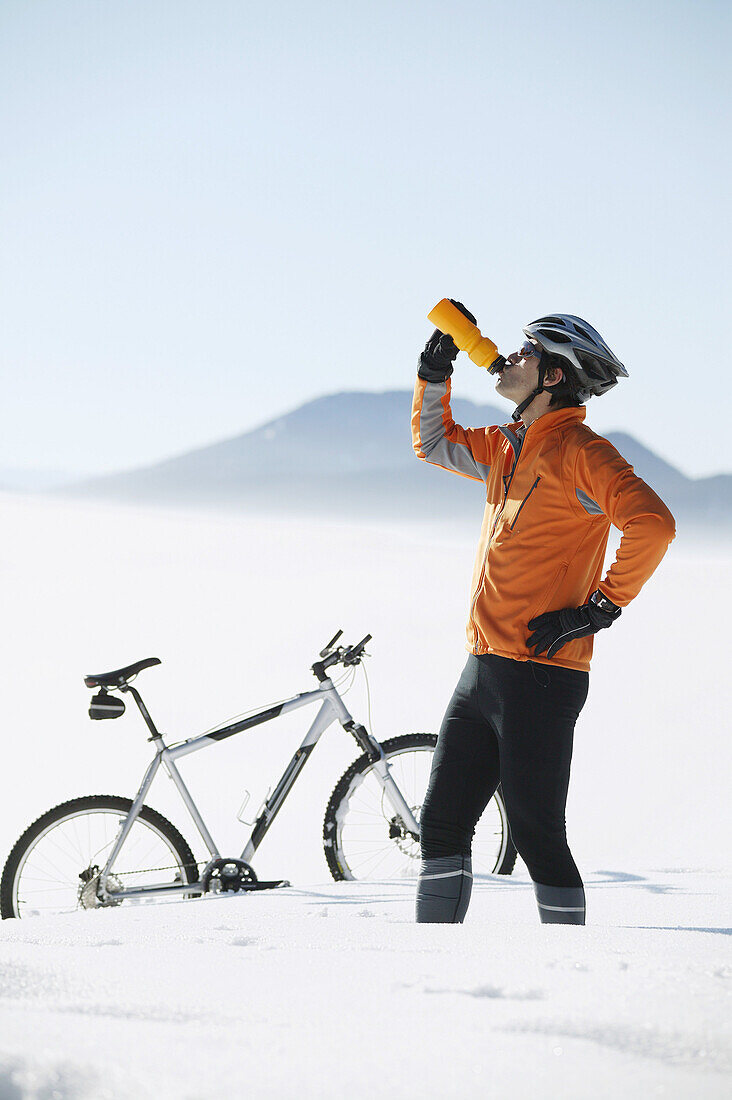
{"points": [[212, 212]]}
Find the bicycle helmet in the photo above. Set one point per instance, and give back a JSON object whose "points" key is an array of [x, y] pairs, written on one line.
{"points": [[593, 367]]}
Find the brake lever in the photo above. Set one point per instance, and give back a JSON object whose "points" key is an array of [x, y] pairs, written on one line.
{"points": [[356, 652], [331, 643]]}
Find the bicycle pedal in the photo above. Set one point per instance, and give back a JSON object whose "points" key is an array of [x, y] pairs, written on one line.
{"points": [[259, 885]]}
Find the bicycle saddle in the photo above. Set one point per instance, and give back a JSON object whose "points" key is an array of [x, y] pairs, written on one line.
{"points": [[120, 675]]}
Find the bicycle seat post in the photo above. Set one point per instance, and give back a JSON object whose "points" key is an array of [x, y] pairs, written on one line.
{"points": [[157, 737]]}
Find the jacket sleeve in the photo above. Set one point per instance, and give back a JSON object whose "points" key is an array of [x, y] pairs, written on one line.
{"points": [[648, 527], [438, 439]]}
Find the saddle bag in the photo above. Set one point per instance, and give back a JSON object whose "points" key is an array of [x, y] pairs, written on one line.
{"points": [[104, 705]]}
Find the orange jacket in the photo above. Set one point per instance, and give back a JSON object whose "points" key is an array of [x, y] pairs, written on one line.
{"points": [[552, 491]]}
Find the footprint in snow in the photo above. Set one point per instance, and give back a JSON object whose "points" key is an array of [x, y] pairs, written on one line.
{"points": [[496, 993]]}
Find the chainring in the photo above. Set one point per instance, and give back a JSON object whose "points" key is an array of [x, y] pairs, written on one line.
{"points": [[224, 875]]}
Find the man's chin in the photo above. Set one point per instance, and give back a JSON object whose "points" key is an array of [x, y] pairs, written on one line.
{"points": [[505, 392]]}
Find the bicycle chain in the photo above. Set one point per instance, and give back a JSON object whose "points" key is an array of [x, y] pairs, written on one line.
{"points": [[119, 874]]}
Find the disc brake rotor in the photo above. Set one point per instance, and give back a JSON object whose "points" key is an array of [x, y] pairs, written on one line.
{"points": [[405, 842]]}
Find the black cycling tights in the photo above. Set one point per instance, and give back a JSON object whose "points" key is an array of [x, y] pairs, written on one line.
{"points": [[513, 722]]}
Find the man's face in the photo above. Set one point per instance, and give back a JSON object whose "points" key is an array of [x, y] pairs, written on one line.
{"points": [[520, 376]]}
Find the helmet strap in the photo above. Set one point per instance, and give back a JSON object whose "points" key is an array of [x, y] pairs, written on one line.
{"points": [[516, 414]]}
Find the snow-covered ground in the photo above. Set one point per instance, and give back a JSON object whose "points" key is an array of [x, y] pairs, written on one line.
{"points": [[330, 989]]}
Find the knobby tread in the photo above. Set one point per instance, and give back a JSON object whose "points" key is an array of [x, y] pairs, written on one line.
{"points": [[88, 802]]}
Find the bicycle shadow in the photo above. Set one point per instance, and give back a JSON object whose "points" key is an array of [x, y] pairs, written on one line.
{"points": [[392, 891], [679, 928], [625, 878], [597, 879], [354, 893]]}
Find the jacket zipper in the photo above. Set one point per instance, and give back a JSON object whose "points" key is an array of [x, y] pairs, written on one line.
{"points": [[506, 487], [524, 501]]}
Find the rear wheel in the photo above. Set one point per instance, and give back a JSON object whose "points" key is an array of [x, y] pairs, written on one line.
{"points": [[54, 867], [364, 839]]}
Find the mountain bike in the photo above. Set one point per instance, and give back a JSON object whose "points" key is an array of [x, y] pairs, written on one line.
{"points": [[103, 851]]}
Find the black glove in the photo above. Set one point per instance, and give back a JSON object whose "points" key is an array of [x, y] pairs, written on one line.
{"points": [[554, 629], [440, 352]]}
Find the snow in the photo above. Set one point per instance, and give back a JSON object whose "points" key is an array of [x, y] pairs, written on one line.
{"points": [[327, 989], [332, 991]]}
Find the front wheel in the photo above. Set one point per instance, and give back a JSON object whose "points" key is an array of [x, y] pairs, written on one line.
{"points": [[54, 867], [364, 838]]}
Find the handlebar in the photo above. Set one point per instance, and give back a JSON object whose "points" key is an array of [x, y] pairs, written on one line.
{"points": [[353, 655], [346, 655]]}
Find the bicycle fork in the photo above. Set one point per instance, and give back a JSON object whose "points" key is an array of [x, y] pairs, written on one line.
{"points": [[373, 749], [395, 796], [383, 773]]}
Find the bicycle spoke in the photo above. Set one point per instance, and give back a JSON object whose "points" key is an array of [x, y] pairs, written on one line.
{"points": [[51, 876]]}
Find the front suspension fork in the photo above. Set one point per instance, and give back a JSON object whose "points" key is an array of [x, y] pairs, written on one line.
{"points": [[374, 751]]}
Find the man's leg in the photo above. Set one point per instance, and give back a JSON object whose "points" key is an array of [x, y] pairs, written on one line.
{"points": [[443, 890], [463, 779], [560, 904], [535, 708]]}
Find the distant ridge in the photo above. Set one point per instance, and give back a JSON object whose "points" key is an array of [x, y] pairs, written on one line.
{"points": [[351, 454]]}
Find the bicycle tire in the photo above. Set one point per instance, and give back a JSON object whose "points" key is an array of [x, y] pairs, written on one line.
{"points": [[338, 806], [75, 808]]}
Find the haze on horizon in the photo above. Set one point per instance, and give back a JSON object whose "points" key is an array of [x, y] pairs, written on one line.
{"points": [[215, 213]]}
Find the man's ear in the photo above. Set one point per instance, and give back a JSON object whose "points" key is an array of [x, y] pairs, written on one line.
{"points": [[553, 376]]}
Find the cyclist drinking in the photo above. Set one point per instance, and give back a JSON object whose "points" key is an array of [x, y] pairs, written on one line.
{"points": [[553, 488]]}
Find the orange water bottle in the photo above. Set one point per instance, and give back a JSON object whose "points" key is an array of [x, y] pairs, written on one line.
{"points": [[467, 336]]}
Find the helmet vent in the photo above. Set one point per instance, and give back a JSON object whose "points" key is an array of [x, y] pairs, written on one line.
{"points": [[591, 365], [582, 332]]}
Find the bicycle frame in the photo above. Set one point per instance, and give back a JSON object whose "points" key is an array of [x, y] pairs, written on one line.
{"points": [[332, 709]]}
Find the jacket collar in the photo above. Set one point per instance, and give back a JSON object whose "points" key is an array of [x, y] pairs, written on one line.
{"points": [[554, 418]]}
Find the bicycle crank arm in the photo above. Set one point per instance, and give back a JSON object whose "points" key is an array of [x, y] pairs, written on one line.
{"points": [[261, 884]]}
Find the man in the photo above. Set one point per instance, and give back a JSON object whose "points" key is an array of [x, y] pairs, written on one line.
{"points": [[553, 488]]}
